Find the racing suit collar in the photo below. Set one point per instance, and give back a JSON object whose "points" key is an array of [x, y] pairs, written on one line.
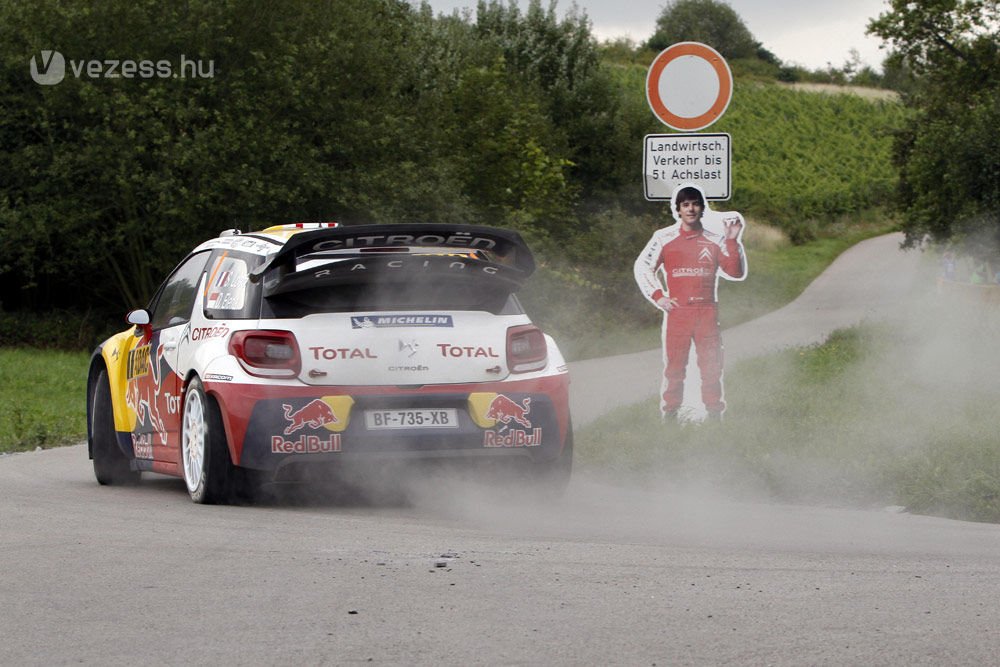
{"points": [[693, 232]]}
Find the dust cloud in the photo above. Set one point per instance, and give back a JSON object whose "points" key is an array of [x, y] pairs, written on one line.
{"points": [[903, 423], [907, 421]]}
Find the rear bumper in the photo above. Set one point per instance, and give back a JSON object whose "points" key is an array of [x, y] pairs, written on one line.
{"points": [[270, 427]]}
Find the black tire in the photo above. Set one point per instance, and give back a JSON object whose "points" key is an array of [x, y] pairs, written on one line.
{"points": [[207, 468], [249, 486], [111, 465], [552, 477]]}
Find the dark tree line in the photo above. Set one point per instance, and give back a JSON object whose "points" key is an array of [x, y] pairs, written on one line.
{"points": [[355, 110], [380, 111]]}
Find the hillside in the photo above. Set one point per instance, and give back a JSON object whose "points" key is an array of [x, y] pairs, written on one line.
{"points": [[800, 153], [880, 94]]}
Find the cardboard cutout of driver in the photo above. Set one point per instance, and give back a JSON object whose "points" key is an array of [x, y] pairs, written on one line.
{"points": [[691, 255]]}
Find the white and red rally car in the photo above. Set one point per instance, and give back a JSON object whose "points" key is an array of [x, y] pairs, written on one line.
{"points": [[270, 356]]}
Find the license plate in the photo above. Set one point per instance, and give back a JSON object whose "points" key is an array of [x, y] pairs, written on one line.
{"points": [[390, 419]]}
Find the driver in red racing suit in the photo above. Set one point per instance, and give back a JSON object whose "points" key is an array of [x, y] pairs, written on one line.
{"points": [[691, 257]]}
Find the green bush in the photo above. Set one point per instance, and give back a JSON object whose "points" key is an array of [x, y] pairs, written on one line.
{"points": [[60, 329]]}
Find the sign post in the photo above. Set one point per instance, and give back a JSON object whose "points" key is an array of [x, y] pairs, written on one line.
{"points": [[672, 159], [688, 87]]}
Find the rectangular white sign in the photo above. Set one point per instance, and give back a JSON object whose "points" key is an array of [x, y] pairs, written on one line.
{"points": [[703, 159]]}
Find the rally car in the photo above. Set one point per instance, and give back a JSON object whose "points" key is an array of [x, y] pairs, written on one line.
{"points": [[277, 355]]}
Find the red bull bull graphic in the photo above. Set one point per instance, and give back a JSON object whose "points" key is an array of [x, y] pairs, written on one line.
{"points": [[314, 414], [504, 410], [508, 421], [319, 413]]}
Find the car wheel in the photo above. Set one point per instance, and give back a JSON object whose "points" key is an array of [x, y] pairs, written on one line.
{"points": [[111, 464], [208, 470]]}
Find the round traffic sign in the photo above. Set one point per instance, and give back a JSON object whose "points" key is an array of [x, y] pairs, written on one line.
{"points": [[689, 86]]}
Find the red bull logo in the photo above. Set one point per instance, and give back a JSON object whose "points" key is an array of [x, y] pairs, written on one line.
{"points": [[505, 421], [142, 445], [306, 444], [513, 438], [504, 410], [314, 414]]}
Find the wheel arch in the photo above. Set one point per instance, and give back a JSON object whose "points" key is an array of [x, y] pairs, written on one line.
{"points": [[192, 374], [97, 364]]}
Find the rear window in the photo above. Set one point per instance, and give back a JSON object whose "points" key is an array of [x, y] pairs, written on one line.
{"points": [[388, 297], [394, 279]]}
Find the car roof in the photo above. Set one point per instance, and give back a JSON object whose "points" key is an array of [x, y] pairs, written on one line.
{"points": [[265, 242]]}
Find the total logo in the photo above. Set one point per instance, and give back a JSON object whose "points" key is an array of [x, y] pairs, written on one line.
{"points": [[507, 420], [468, 351], [330, 353]]}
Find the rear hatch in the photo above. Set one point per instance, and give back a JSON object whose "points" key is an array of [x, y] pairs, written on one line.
{"points": [[407, 304]]}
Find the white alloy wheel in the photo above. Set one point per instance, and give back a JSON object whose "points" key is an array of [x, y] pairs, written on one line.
{"points": [[194, 438]]}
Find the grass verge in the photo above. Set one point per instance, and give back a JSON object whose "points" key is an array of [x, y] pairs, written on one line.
{"points": [[897, 413], [42, 398]]}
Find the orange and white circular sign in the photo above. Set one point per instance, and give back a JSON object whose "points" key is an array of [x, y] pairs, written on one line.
{"points": [[689, 86]]}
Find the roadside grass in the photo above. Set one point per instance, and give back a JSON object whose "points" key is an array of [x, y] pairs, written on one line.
{"points": [[901, 413], [42, 398]]}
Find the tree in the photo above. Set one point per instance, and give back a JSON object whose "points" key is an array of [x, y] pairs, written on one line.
{"points": [[353, 110], [949, 153], [710, 22], [117, 177]]}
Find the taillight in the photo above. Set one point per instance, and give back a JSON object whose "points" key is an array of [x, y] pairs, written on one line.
{"points": [[272, 354], [526, 349]]}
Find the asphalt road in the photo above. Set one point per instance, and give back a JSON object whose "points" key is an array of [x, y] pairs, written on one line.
{"points": [[611, 575]]}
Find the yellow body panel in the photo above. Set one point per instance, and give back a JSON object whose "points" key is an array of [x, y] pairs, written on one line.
{"points": [[479, 405], [117, 353]]}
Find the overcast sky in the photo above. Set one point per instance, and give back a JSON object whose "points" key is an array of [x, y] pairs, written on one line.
{"points": [[812, 33]]}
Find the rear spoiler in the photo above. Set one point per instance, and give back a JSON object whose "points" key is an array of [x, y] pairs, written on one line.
{"points": [[377, 253]]}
